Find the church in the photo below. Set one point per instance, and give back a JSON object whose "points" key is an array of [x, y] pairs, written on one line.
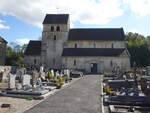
{"points": [[92, 50]]}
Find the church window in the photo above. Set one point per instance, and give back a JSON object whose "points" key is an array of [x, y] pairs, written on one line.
{"points": [[52, 28], [94, 45], [75, 45], [58, 28], [54, 37], [53, 61], [74, 63], [35, 61], [111, 63], [112, 45]]}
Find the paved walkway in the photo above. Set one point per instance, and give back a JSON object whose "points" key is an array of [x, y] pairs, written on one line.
{"points": [[82, 96]]}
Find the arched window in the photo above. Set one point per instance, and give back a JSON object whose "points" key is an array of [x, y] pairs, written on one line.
{"points": [[58, 28], [35, 61], [75, 45], [74, 63], [94, 45], [112, 45], [53, 61], [52, 28], [54, 37]]}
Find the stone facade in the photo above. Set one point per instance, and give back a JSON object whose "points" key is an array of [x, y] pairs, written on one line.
{"points": [[96, 44], [104, 64], [3, 45], [32, 61]]}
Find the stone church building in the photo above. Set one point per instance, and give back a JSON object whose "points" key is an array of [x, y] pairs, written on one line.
{"points": [[92, 50], [3, 44]]}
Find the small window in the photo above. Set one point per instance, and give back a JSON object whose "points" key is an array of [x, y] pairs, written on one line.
{"points": [[52, 28], [112, 45], [54, 37], [111, 63], [53, 61], [75, 45], [35, 61], [74, 63], [58, 28], [94, 45]]}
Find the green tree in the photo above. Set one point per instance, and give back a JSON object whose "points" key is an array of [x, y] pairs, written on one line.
{"points": [[15, 54], [138, 46]]}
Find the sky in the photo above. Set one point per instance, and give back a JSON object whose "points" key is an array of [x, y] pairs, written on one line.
{"points": [[21, 20]]}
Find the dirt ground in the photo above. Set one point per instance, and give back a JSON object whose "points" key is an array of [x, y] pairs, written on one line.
{"points": [[17, 105]]}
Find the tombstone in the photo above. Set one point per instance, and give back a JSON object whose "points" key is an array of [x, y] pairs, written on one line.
{"points": [[68, 73], [57, 74], [26, 80], [52, 73], [65, 72], [12, 82], [1, 76], [34, 78], [39, 82], [41, 69]]}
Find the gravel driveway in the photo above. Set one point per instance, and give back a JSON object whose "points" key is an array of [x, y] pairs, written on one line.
{"points": [[83, 96]]}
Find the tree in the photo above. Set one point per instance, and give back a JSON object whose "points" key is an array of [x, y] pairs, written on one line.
{"points": [[138, 46], [15, 54]]}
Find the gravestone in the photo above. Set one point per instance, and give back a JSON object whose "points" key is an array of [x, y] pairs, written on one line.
{"points": [[57, 74], [12, 82], [52, 73], [68, 73], [39, 82], [35, 76], [41, 69], [26, 80], [1, 76]]}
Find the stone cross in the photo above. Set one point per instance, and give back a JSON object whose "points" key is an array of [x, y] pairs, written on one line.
{"points": [[12, 81]]}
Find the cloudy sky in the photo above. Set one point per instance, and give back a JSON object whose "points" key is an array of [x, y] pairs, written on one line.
{"points": [[21, 20]]}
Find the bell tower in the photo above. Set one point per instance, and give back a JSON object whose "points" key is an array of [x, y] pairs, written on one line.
{"points": [[54, 38]]}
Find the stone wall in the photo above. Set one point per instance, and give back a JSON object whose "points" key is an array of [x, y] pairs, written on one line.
{"points": [[104, 64], [32, 60], [96, 44]]}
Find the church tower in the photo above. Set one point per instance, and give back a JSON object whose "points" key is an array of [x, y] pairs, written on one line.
{"points": [[54, 39]]}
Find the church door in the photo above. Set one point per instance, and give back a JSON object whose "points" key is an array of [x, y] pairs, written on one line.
{"points": [[93, 67]]}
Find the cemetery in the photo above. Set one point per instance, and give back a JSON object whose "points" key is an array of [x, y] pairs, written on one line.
{"points": [[127, 92], [31, 84]]}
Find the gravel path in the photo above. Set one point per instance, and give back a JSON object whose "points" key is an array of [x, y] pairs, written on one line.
{"points": [[82, 96]]}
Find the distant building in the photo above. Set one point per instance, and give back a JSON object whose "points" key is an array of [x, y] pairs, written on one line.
{"points": [[89, 49], [3, 44]]}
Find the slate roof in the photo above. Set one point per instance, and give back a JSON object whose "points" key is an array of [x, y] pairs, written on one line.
{"points": [[92, 52], [56, 19], [33, 48], [97, 34], [2, 40]]}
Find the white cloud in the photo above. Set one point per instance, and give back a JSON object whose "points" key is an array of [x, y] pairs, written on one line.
{"points": [[2, 26], [140, 7], [23, 41], [85, 11]]}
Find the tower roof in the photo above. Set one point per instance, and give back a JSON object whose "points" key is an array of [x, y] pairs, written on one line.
{"points": [[56, 19]]}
